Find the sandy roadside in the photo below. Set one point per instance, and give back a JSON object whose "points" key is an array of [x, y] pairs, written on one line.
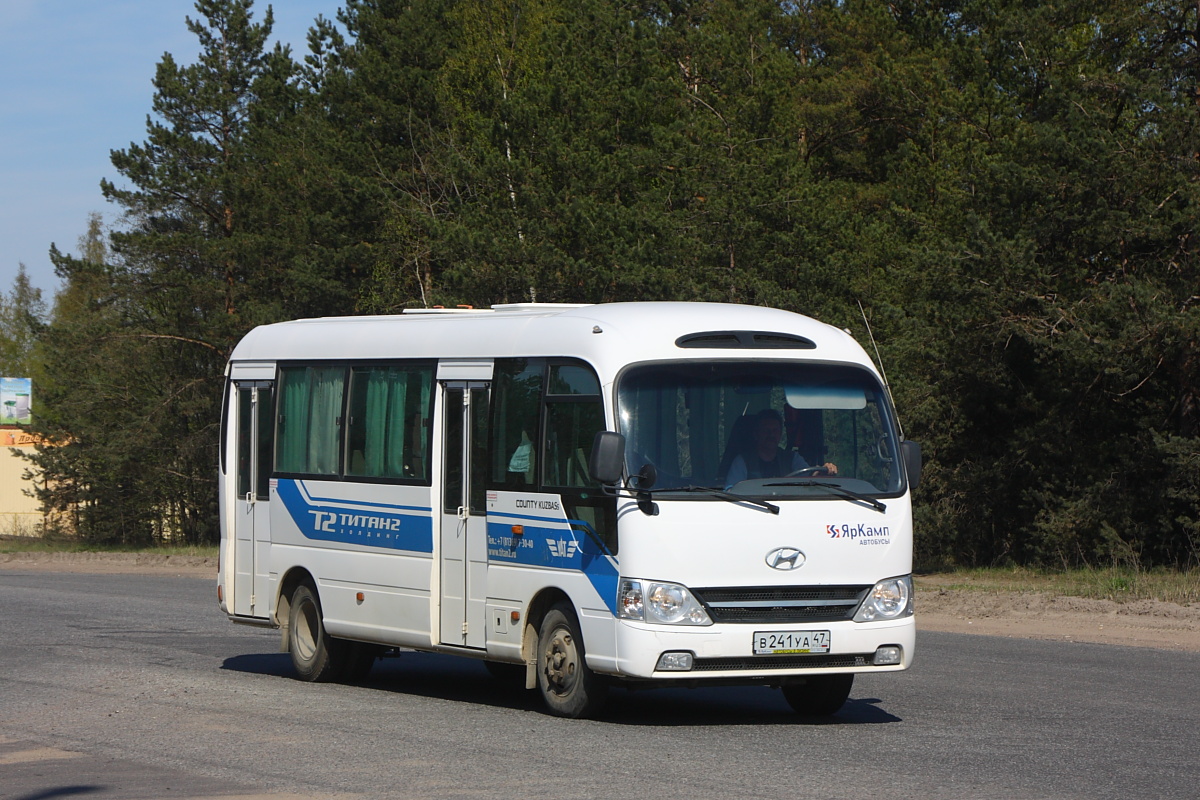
{"points": [[1027, 615], [1035, 615]]}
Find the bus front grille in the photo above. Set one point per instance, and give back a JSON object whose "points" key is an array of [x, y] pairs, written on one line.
{"points": [[766, 605], [757, 663]]}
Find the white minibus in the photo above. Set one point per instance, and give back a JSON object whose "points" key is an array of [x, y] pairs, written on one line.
{"points": [[638, 494]]}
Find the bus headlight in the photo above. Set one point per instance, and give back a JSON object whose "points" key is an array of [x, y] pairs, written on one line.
{"points": [[666, 603], [888, 599]]}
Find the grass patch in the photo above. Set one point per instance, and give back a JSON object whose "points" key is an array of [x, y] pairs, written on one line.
{"points": [[36, 544], [1120, 584]]}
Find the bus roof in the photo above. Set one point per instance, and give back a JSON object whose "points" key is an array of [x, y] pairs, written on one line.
{"points": [[608, 335]]}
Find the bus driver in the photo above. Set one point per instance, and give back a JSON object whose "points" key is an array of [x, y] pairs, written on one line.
{"points": [[765, 459]]}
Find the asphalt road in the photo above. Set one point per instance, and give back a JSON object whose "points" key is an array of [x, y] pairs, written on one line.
{"points": [[123, 686]]}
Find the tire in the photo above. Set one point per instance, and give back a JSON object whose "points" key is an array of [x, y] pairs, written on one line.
{"points": [[316, 656], [819, 695], [568, 687]]}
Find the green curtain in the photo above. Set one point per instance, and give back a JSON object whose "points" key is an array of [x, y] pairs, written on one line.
{"points": [[386, 429], [328, 385], [294, 393]]}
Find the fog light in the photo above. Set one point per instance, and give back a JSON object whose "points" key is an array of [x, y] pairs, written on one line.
{"points": [[888, 654], [675, 662]]}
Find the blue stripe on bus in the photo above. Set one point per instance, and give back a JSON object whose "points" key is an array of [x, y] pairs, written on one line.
{"points": [[351, 522], [554, 544]]}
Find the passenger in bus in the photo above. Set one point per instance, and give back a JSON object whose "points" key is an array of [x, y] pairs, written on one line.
{"points": [[521, 464], [763, 458]]}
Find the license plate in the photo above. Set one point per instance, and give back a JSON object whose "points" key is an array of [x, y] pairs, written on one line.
{"points": [[790, 642]]}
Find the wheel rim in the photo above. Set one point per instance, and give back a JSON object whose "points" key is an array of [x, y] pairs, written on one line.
{"points": [[560, 663]]}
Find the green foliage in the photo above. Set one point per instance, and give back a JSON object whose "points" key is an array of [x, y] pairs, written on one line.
{"points": [[136, 349], [22, 315], [1008, 188]]}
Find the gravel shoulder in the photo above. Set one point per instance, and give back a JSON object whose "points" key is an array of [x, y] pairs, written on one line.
{"points": [[1024, 615], [1037, 615]]}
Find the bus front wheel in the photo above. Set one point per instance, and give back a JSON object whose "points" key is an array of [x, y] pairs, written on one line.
{"points": [[820, 695], [568, 687], [316, 655]]}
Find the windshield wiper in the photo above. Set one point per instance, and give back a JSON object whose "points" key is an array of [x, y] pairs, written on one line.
{"points": [[724, 495], [839, 490]]}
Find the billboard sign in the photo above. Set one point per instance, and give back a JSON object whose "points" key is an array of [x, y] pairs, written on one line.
{"points": [[14, 401]]}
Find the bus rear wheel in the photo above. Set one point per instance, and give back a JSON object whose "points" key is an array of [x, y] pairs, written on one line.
{"points": [[568, 687], [316, 656], [819, 695]]}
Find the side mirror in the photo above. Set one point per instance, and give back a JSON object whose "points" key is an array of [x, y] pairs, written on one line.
{"points": [[911, 453], [607, 461]]}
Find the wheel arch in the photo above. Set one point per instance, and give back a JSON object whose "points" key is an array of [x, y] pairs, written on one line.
{"points": [[535, 612]]}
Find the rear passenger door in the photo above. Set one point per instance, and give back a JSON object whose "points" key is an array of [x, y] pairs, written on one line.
{"points": [[254, 411]]}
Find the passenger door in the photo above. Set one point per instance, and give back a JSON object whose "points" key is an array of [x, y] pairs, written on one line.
{"points": [[463, 544], [252, 521]]}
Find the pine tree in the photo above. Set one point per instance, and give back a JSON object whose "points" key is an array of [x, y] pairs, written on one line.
{"points": [[22, 314], [389, 147], [139, 342]]}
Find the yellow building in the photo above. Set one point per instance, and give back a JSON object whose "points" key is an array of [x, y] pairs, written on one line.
{"points": [[20, 514]]}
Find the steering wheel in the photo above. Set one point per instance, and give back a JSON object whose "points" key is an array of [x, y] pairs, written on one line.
{"points": [[808, 472]]}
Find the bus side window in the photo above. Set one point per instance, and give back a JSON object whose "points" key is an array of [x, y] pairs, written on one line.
{"points": [[266, 442], [516, 400], [386, 437], [309, 422], [574, 414], [570, 429]]}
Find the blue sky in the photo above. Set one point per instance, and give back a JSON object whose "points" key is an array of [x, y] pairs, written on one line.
{"points": [[76, 85]]}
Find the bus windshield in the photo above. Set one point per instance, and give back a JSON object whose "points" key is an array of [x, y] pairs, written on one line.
{"points": [[777, 428]]}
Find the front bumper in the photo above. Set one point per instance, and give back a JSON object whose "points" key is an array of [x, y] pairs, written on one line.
{"points": [[725, 652]]}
